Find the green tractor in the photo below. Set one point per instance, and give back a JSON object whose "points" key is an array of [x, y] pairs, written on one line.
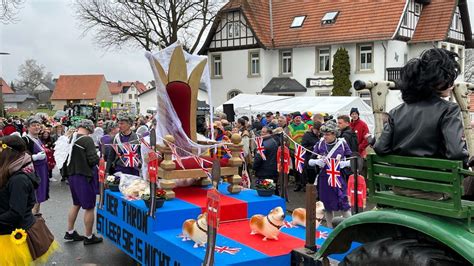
{"points": [[404, 230], [77, 112]]}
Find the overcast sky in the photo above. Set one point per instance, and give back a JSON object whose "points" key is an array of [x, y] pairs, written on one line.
{"points": [[49, 32]]}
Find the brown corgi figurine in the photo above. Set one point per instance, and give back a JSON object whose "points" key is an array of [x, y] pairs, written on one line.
{"points": [[299, 215], [268, 226], [196, 230]]}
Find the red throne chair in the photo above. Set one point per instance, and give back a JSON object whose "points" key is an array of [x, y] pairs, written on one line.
{"points": [[183, 92]]}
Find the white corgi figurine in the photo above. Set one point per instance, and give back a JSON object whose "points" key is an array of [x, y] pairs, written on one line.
{"points": [[299, 215], [268, 226], [196, 230]]}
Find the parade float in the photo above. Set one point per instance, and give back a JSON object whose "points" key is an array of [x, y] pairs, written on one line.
{"points": [[204, 221]]}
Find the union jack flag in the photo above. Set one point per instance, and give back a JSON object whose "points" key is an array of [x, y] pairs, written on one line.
{"points": [[225, 249], [227, 150], [334, 172], [287, 224], [299, 157], [144, 142], [200, 162], [130, 155], [322, 234], [176, 155], [260, 147]]}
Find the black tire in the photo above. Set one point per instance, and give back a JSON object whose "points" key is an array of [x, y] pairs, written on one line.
{"points": [[409, 252]]}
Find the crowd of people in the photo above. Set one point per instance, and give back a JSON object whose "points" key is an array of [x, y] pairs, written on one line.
{"points": [[425, 125]]}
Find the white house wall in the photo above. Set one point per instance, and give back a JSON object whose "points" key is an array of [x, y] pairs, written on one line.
{"points": [[396, 51], [235, 66], [147, 101], [234, 76]]}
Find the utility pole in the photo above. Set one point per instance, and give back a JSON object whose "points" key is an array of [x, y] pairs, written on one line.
{"points": [[2, 107]]}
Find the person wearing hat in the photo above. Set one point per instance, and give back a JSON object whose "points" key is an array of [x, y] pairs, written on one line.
{"points": [[296, 130], [110, 130], [332, 192], [115, 162], [79, 169], [40, 162]]}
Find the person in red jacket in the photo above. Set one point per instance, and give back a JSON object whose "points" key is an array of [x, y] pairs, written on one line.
{"points": [[361, 129]]}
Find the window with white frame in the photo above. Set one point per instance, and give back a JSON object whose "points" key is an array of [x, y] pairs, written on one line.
{"points": [[233, 29], [286, 59], [365, 57], [254, 63], [417, 8], [216, 66], [297, 21], [231, 94], [324, 59]]}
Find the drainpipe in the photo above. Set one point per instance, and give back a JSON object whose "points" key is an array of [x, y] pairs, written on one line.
{"points": [[384, 61], [271, 21]]}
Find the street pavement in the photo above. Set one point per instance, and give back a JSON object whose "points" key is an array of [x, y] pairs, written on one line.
{"points": [[55, 212]]}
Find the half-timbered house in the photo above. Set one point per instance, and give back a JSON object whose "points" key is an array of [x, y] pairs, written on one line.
{"points": [[287, 47]]}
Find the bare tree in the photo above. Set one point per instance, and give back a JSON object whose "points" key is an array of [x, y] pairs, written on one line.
{"points": [[31, 75], [147, 23], [9, 10], [469, 66]]}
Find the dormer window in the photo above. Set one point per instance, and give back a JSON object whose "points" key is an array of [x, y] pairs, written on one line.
{"points": [[329, 17], [298, 22]]}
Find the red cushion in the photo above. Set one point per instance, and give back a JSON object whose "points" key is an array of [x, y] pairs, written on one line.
{"points": [[180, 96], [190, 163]]}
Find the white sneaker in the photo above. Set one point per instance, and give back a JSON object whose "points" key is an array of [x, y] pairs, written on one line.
{"points": [[53, 179]]}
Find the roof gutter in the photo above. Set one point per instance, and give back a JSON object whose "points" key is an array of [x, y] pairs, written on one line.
{"points": [[271, 22]]}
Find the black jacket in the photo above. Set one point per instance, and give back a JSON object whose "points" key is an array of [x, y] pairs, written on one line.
{"points": [[266, 168], [351, 138], [431, 128], [17, 199], [309, 140], [83, 158]]}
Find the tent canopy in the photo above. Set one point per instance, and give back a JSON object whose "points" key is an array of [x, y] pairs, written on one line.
{"points": [[249, 104]]}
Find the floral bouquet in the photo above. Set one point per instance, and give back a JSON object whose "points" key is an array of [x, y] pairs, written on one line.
{"points": [[113, 182], [159, 193], [160, 197], [266, 184]]}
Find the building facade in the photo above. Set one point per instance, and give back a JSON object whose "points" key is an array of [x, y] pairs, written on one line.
{"points": [[84, 89], [279, 48]]}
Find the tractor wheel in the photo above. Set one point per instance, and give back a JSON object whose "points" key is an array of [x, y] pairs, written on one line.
{"points": [[402, 252]]}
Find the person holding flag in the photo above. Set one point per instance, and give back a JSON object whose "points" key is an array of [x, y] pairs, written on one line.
{"points": [[331, 182], [126, 158], [265, 162]]}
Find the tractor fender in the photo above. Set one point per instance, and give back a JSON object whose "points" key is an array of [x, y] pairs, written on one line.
{"points": [[377, 224]]}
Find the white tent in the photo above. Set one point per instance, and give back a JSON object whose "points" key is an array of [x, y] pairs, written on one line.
{"points": [[247, 104]]}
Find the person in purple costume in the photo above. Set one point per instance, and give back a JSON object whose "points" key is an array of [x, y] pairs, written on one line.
{"points": [[79, 170], [40, 162], [333, 193], [115, 162]]}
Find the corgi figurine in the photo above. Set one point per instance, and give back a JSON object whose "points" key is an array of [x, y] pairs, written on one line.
{"points": [[299, 215], [196, 230], [268, 226]]}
